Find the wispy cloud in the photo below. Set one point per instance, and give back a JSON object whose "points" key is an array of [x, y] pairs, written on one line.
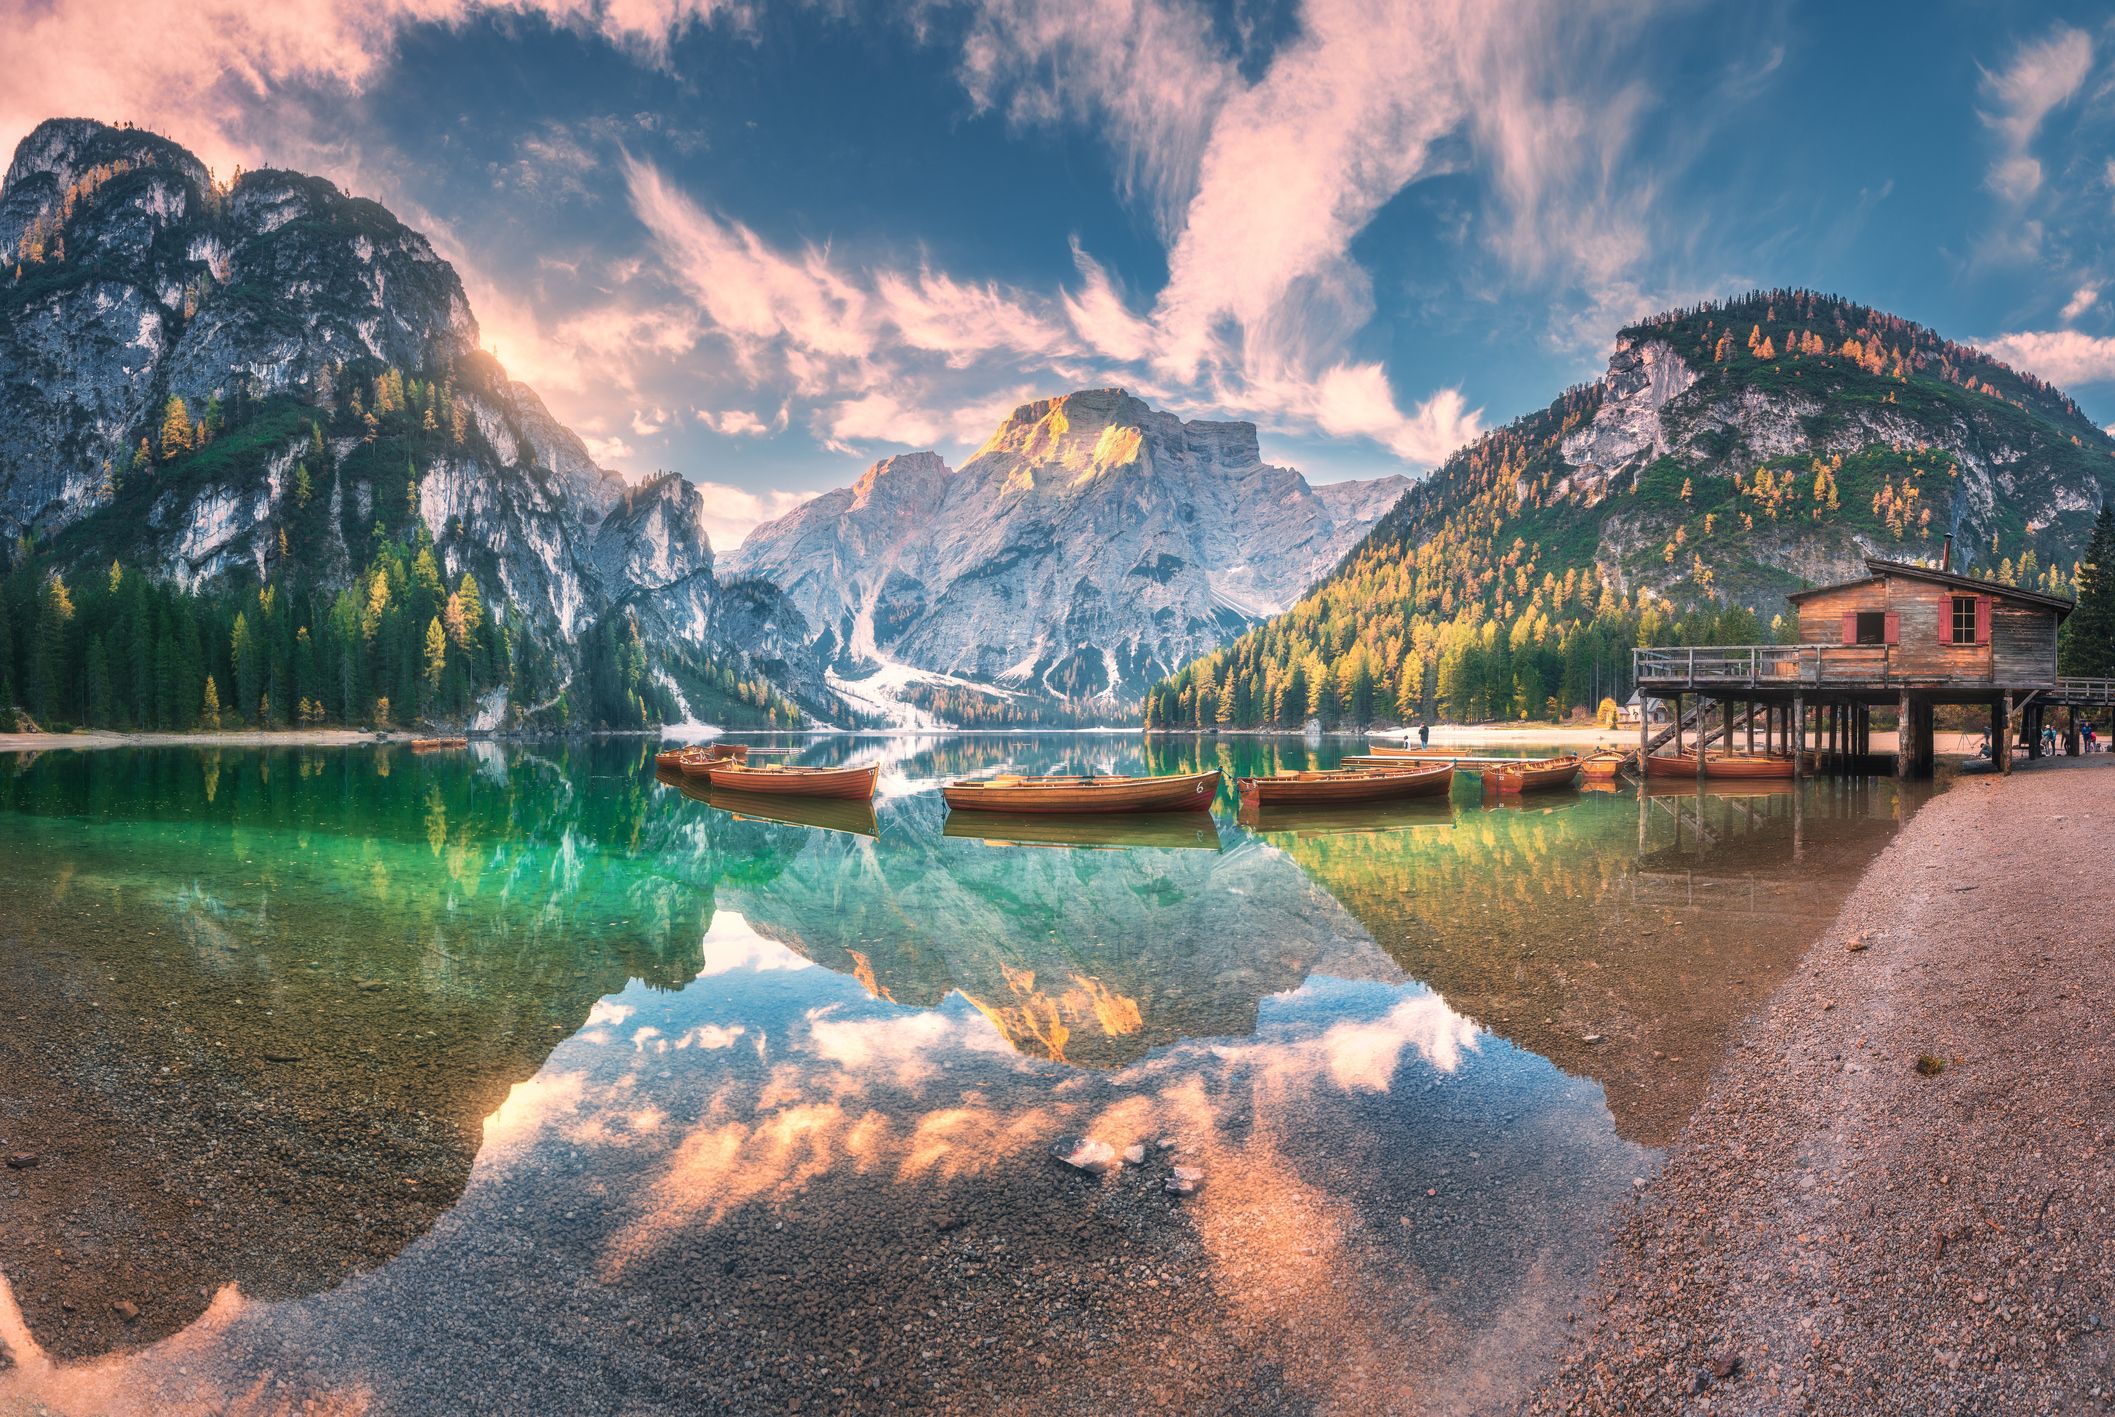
{"points": [[198, 66], [730, 513], [1260, 162], [2042, 76]]}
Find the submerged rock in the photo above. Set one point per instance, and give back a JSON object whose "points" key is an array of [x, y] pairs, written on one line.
{"points": [[1186, 1181], [1086, 1154]]}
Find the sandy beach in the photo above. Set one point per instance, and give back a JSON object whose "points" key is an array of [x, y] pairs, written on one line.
{"points": [[1897, 1196]]}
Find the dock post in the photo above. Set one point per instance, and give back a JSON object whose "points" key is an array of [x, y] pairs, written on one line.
{"points": [[1799, 735], [1904, 737], [1644, 730], [2003, 746], [1703, 736], [1750, 706]]}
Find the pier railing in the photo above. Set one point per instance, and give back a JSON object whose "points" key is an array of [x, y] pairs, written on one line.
{"points": [[2084, 692], [1759, 665]]}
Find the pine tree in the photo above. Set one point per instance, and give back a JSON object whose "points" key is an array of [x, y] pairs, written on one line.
{"points": [[176, 428], [248, 665], [101, 711], [303, 487], [209, 713], [436, 654], [2089, 634]]}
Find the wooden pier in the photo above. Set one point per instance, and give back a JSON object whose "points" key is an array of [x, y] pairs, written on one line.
{"points": [[1907, 638]]}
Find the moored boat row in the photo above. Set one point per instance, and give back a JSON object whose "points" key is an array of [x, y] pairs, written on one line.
{"points": [[1384, 775]]}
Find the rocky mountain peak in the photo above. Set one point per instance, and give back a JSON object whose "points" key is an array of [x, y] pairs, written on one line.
{"points": [[1075, 438], [906, 478], [1091, 539]]}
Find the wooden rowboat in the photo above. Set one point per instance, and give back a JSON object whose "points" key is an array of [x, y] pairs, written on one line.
{"points": [[1533, 775], [669, 759], [1603, 764], [1183, 792], [1749, 768], [697, 762], [434, 745], [1314, 789], [1736, 767], [852, 784]]}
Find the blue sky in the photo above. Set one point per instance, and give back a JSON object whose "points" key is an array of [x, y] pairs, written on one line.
{"points": [[764, 244]]}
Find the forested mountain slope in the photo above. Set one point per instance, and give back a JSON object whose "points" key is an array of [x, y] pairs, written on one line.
{"points": [[1732, 452], [248, 440]]}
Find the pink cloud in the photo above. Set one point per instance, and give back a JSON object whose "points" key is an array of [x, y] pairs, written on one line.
{"points": [[2063, 357]]}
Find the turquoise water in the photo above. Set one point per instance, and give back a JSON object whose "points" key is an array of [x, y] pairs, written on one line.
{"points": [[514, 1079]]}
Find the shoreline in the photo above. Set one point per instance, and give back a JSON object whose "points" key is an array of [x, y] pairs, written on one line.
{"points": [[1443, 736], [1896, 1195]]}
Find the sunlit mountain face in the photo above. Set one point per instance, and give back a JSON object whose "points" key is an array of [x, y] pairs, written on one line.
{"points": [[400, 1069]]}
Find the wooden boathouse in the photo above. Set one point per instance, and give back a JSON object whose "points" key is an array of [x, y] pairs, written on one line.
{"points": [[1903, 636]]}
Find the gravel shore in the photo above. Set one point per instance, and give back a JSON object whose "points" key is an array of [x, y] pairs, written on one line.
{"points": [[1897, 1197]]}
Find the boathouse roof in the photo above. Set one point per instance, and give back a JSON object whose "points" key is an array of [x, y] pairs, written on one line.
{"points": [[1879, 569]]}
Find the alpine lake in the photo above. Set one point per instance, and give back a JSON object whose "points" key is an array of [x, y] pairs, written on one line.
{"points": [[518, 1079]]}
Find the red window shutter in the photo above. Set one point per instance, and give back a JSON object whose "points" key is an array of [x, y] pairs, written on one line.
{"points": [[1893, 633], [1850, 627], [1982, 619]]}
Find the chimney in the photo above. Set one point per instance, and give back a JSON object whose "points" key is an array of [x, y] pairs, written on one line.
{"points": [[1946, 555]]}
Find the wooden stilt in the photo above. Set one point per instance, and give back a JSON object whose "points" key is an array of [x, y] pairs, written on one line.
{"points": [[1799, 735], [1904, 737], [2004, 739], [1703, 736]]}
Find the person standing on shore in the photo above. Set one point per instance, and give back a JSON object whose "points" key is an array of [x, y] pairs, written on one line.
{"points": [[1424, 734]]}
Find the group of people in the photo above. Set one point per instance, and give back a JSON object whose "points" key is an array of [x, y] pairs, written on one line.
{"points": [[2052, 741]]}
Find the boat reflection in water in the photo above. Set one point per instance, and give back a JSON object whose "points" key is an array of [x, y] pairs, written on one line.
{"points": [[834, 814], [1373, 818], [732, 1112], [1160, 830]]}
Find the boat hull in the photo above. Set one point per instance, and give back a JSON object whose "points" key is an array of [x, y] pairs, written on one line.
{"points": [[1749, 769], [1547, 776], [1729, 769], [849, 784], [1078, 796], [1325, 789], [1604, 767]]}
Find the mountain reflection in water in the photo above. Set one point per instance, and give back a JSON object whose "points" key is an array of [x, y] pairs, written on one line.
{"points": [[511, 1079]]}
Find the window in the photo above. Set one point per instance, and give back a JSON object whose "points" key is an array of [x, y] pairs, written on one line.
{"points": [[1964, 620], [1872, 627]]}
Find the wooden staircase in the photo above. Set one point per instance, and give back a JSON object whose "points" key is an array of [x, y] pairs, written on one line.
{"points": [[1694, 719]]}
